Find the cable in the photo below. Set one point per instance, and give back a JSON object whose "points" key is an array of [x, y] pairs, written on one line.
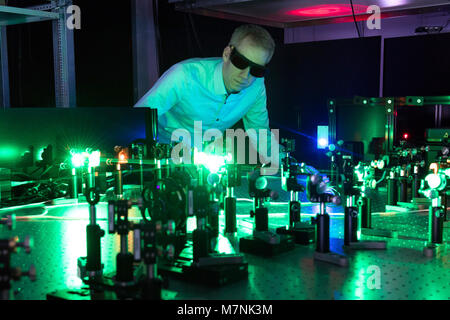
{"points": [[445, 25], [382, 177], [354, 19], [157, 32], [196, 37], [46, 171]]}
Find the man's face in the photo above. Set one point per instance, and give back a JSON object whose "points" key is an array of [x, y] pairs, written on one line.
{"points": [[236, 79]]}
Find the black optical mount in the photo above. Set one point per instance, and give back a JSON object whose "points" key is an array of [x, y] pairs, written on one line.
{"points": [[352, 211], [436, 245], [233, 180], [199, 260], [263, 242], [91, 266], [316, 192], [304, 233], [359, 189], [7, 248]]}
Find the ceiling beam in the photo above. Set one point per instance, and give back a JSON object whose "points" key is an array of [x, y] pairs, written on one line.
{"points": [[390, 28]]}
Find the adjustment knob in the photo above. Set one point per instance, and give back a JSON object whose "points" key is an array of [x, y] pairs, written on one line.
{"points": [[429, 193], [31, 273], [171, 227], [9, 221], [27, 244], [13, 244], [140, 202], [336, 200], [322, 187], [17, 273], [274, 195], [92, 196], [295, 206], [170, 251], [315, 179]]}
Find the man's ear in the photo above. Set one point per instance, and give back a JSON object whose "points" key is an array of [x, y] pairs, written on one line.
{"points": [[226, 53]]}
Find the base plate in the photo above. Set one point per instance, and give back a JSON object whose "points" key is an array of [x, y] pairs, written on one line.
{"points": [[260, 247], [211, 275], [86, 294], [379, 233], [435, 250], [331, 257], [304, 234], [366, 245]]}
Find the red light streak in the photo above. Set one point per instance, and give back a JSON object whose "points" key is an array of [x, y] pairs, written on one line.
{"points": [[328, 10]]}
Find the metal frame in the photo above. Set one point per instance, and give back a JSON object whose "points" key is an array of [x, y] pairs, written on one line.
{"points": [[390, 104], [63, 48], [201, 3], [145, 47], [211, 8], [24, 15], [64, 57], [4, 71], [387, 102], [401, 26]]}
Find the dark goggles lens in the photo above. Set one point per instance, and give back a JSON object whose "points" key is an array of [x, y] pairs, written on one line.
{"points": [[241, 62]]}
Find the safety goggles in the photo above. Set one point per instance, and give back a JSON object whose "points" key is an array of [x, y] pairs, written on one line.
{"points": [[241, 62]]}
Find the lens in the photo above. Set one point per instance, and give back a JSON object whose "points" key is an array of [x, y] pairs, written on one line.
{"points": [[261, 183], [436, 181], [257, 72], [239, 62]]}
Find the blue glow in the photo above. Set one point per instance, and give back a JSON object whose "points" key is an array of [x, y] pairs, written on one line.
{"points": [[281, 126], [322, 137]]}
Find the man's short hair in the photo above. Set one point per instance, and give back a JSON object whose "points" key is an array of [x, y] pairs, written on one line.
{"points": [[260, 36]]}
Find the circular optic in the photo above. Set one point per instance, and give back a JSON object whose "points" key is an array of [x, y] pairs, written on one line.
{"points": [[213, 179], [373, 184], [261, 183], [323, 142], [380, 164], [436, 181]]}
